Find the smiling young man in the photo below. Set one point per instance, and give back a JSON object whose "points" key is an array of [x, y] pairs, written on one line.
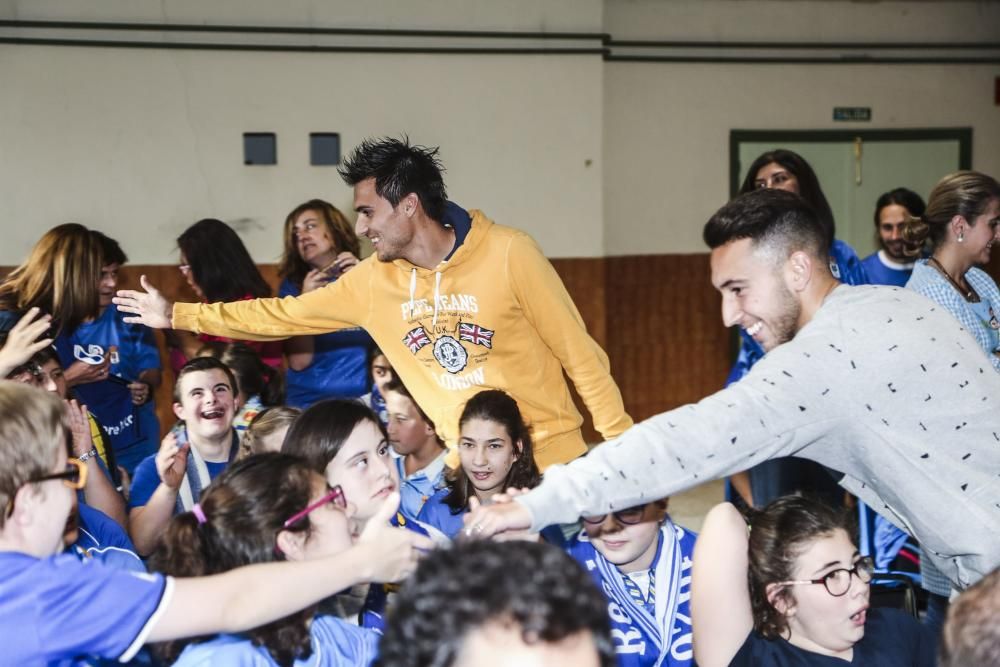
{"points": [[171, 480], [875, 382], [457, 303], [892, 263]]}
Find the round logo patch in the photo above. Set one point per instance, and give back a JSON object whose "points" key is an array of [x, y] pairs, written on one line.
{"points": [[450, 354]]}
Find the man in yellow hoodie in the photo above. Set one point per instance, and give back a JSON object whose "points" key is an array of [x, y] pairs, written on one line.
{"points": [[457, 303]]}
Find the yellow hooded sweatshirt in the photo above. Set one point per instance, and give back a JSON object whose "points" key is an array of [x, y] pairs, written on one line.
{"points": [[493, 316]]}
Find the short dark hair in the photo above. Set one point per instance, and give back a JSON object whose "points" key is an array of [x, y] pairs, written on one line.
{"points": [[396, 385], [319, 432], [399, 168], [453, 592], [496, 406], [769, 217], [220, 264], [204, 364], [971, 634], [255, 378], [113, 253], [809, 187]]}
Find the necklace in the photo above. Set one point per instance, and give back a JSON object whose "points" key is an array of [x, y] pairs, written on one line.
{"points": [[968, 294]]}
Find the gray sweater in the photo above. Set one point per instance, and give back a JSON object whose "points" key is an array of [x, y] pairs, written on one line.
{"points": [[882, 384]]}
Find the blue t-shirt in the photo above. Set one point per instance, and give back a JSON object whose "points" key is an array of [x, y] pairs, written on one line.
{"points": [[101, 538], [55, 611], [416, 489], [133, 430], [147, 479], [339, 368], [334, 644], [880, 273], [892, 639]]}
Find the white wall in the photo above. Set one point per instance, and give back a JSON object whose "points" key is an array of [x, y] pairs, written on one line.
{"points": [[592, 158], [141, 143], [666, 126]]}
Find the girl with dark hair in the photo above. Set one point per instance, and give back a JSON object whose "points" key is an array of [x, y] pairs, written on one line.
{"points": [[218, 267], [892, 264], [270, 507], [494, 450], [783, 169], [793, 590], [345, 442], [320, 246]]}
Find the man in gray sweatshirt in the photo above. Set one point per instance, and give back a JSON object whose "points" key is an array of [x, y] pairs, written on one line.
{"points": [[877, 382]]}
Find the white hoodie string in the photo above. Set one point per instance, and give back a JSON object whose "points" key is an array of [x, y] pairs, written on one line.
{"points": [[437, 293]]}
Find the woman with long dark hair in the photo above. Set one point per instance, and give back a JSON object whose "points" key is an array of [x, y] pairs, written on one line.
{"points": [[218, 267]]}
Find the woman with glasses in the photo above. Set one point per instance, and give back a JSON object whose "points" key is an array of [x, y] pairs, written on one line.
{"points": [[218, 267], [270, 507], [642, 562], [494, 453], [792, 589]]}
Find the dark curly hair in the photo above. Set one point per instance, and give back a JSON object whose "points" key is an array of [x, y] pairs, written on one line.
{"points": [[399, 168], [779, 534], [496, 406], [454, 592], [245, 507]]}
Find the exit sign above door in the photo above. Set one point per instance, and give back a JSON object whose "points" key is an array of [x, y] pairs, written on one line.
{"points": [[854, 114]]}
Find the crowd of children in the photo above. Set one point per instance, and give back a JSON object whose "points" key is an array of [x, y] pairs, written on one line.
{"points": [[278, 519]]}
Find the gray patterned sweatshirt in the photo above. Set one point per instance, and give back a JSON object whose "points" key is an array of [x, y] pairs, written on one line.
{"points": [[882, 384]]}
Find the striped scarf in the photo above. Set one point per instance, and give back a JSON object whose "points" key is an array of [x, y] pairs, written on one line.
{"points": [[196, 479], [639, 626]]}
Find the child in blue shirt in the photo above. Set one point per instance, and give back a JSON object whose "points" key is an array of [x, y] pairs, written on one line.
{"points": [[56, 608], [268, 507], [421, 453]]}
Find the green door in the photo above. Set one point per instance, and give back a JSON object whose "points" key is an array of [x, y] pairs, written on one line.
{"points": [[855, 168]]}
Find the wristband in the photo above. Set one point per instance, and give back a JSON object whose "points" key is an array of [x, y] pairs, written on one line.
{"points": [[89, 455]]}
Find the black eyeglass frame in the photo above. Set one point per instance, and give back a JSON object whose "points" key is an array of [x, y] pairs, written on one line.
{"points": [[865, 564]]}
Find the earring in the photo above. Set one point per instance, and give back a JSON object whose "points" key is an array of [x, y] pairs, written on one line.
{"points": [[961, 237]]}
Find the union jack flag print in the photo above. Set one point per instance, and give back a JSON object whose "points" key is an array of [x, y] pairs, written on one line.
{"points": [[475, 334], [416, 339]]}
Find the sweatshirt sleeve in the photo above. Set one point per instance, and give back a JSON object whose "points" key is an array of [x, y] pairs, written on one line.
{"points": [[768, 413], [551, 311], [339, 305]]}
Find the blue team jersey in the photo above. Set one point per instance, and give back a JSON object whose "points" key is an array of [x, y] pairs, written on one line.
{"points": [[882, 273], [147, 479], [101, 538], [134, 431], [339, 368], [58, 610], [334, 644]]}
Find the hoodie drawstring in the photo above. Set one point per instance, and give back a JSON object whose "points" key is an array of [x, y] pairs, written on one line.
{"points": [[437, 293]]}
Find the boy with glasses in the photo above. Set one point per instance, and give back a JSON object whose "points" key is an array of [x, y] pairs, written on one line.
{"points": [[57, 608], [642, 563]]}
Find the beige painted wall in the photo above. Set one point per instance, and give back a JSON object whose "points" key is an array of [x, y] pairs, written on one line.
{"points": [[592, 158]]}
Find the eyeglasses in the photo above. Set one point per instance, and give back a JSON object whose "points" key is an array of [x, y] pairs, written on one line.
{"points": [[838, 582], [74, 476], [629, 517], [335, 496]]}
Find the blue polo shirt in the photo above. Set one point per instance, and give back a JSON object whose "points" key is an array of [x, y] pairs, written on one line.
{"points": [[58, 610], [415, 489]]}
